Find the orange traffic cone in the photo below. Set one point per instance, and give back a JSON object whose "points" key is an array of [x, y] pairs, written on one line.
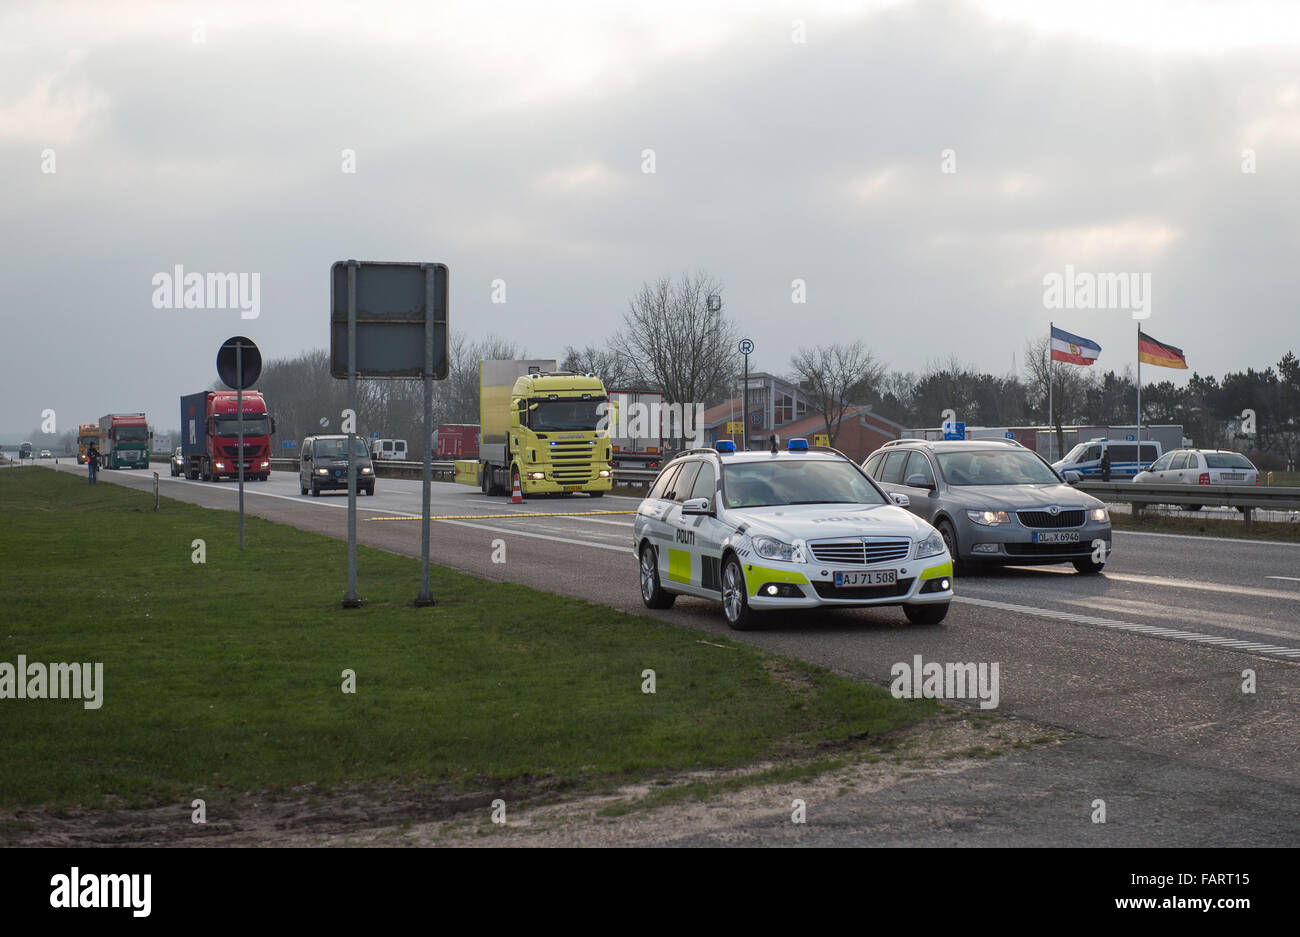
{"points": [[516, 496]]}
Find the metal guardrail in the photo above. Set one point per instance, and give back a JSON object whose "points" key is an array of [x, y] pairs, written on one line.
{"points": [[389, 468], [1247, 498]]}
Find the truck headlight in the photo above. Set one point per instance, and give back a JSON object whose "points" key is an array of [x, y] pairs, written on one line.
{"points": [[928, 546], [774, 549], [535, 476], [220, 465], [604, 473], [989, 518], [1099, 514], [322, 471]]}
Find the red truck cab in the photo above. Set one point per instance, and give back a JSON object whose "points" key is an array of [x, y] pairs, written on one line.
{"points": [[210, 427]]}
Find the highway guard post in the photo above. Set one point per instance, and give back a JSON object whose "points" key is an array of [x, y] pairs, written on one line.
{"points": [[388, 320]]}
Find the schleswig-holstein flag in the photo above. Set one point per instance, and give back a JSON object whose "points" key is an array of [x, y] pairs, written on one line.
{"points": [[1072, 348]]}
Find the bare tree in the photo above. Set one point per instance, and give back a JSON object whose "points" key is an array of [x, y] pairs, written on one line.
{"points": [[672, 340], [832, 373], [608, 365]]}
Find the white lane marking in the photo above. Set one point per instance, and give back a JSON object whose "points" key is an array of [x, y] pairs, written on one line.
{"points": [[1179, 612], [1287, 578], [1185, 637], [1186, 584], [1239, 540], [515, 531]]}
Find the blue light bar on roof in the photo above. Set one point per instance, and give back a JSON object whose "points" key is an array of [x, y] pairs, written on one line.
{"points": [[725, 445], [797, 444]]}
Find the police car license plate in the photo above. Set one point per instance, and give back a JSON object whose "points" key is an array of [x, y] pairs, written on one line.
{"points": [[872, 577], [1056, 536]]}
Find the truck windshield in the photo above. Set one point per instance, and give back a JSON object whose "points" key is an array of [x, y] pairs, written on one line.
{"points": [[336, 448], [253, 426], [559, 415], [796, 481], [132, 433]]}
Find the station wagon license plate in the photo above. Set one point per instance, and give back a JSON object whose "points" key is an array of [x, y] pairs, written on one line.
{"points": [[1056, 536], [871, 577], [1235, 475]]}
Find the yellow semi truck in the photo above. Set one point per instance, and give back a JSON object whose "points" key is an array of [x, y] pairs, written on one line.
{"points": [[541, 427]]}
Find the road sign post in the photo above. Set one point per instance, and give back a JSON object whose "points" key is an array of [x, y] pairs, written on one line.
{"points": [[393, 324], [746, 349], [239, 365]]}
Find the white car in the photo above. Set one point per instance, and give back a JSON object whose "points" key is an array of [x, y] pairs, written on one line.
{"points": [[1200, 467], [798, 528]]}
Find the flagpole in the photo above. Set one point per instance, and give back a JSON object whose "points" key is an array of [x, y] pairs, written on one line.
{"points": [[1050, 425], [1139, 413]]}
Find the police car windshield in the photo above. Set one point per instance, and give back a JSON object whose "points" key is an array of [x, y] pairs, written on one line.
{"points": [[995, 467], [1076, 452], [796, 481]]}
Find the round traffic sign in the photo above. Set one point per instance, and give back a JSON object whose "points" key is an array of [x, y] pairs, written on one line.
{"points": [[746, 347], [231, 369]]}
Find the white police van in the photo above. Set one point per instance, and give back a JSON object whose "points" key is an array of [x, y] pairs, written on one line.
{"points": [[798, 528], [1127, 458]]}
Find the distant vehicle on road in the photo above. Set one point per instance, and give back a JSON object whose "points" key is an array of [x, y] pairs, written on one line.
{"points": [[1200, 467], [45, 454], [1126, 459], [87, 436], [389, 449], [457, 441], [210, 429], [995, 502], [25, 451], [323, 464], [178, 462], [125, 440], [640, 414]]}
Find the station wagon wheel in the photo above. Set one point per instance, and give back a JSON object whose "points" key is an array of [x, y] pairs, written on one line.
{"points": [[735, 601], [652, 592], [949, 541]]}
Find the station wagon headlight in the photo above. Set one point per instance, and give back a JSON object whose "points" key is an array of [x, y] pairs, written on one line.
{"points": [[773, 549], [1099, 514], [989, 518], [365, 470], [929, 546]]}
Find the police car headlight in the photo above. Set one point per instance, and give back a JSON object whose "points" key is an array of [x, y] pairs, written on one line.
{"points": [[930, 546], [322, 471], [1099, 514], [773, 549], [989, 518]]}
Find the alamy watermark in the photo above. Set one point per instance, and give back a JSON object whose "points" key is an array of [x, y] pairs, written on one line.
{"points": [[53, 681], [1075, 290], [181, 290], [919, 680]]}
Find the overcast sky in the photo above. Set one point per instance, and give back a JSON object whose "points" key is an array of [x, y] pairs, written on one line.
{"points": [[790, 141]]}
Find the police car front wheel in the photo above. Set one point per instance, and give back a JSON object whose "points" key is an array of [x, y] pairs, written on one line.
{"points": [[735, 601], [652, 593]]}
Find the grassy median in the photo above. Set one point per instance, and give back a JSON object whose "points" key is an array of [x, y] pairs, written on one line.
{"points": [[223, 679]]}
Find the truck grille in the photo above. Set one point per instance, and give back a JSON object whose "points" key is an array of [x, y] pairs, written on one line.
{"points": [[1043, 519], [858, 552]]}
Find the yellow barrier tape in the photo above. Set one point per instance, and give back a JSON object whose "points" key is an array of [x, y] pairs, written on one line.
{"points": [[497, 517]]}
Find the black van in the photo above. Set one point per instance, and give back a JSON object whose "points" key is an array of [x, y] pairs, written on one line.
{"points": [[323, 464]]}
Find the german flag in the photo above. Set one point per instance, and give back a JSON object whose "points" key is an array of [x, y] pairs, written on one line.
{"points": [[1151, 351]]}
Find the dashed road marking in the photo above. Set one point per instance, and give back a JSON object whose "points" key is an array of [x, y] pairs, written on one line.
{"points": [[1154, 631]]}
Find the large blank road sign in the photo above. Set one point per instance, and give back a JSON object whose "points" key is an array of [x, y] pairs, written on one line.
{"points": [[392, 300]]}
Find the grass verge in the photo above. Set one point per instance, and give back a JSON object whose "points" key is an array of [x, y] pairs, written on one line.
{"points": [[223, 679]]}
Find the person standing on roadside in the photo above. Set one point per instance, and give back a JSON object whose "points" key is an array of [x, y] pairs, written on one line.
{"points": [[1105, 466], [92, 460]]}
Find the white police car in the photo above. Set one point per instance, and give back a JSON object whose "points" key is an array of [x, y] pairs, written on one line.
{"points": [[785, 529]]}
